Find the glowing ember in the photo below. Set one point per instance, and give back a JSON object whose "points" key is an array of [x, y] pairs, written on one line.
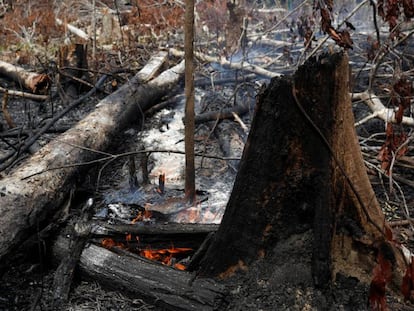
{"points": [[161, 183], [166, 255], [142, 216], [109, 243], [180, 266], [128, 237]]}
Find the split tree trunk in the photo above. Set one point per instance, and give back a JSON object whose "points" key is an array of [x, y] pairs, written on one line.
{"points": [[302, 171], [34, 192]]}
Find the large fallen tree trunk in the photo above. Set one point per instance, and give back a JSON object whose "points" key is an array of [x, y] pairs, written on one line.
{"points": [[30, 195]]}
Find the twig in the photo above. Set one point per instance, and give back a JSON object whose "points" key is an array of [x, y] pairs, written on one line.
{"points": [[227, 113], [339, 25], [401, 179], [378, 109], [233, 65], [381, 54], [9, 158], [285, 17], [394, 157], [240, 121], [374, 15], [398, 223], [76, 31], [112, 157], [6, 113], [24, 94]]}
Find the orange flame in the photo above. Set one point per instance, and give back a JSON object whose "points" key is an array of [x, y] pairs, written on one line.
{"points": [[180, 266], [128, 237], [145, 215], [109, 243], [166, 255]]}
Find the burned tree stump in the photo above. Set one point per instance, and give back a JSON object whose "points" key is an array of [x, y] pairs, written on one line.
{"points": [[72, 67], [302, 174]]}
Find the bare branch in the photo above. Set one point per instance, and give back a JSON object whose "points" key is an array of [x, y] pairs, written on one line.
{"points": [[378, 109]]}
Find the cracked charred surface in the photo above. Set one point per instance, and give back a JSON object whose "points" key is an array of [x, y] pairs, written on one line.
{"points": [[302, 173]]}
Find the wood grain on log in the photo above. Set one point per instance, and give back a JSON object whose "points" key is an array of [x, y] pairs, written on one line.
{"points": [[103, 228], [167, 287]]}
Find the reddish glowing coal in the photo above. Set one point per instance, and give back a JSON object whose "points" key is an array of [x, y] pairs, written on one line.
{"points": [[167, 256]]}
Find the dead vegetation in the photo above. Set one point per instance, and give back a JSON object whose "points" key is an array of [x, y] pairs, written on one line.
{"points": [[231, 44]]}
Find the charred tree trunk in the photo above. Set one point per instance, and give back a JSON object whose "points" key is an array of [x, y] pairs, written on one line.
{"points": [[190, 190], [302, 172]]}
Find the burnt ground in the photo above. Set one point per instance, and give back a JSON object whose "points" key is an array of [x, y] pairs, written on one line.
{"points": [[269, 284]]}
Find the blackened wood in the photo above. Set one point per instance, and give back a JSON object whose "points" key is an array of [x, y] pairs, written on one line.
{"points": [[302, 171], [164, 286], [189, 129], [231, 142], [154, 236], [201, 251], [103, 228], [235, 80], [65, 272], [223, 114], [33, 192]]}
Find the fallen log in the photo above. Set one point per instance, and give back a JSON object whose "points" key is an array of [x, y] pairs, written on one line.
{"points": [[35, 82], [103, 228], [164, 286], [227, 113], [32, 193], [246, 66], [141, 236], [36, 97]]}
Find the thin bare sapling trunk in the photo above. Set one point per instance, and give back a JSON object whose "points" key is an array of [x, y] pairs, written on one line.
{"points": [[189, 106]]}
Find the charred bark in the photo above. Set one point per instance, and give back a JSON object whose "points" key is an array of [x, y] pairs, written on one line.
{"points": [[164, 286], [103, 228], [169, 288], [302, 172], [65, 272], [33, 193], [190, 190]]}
